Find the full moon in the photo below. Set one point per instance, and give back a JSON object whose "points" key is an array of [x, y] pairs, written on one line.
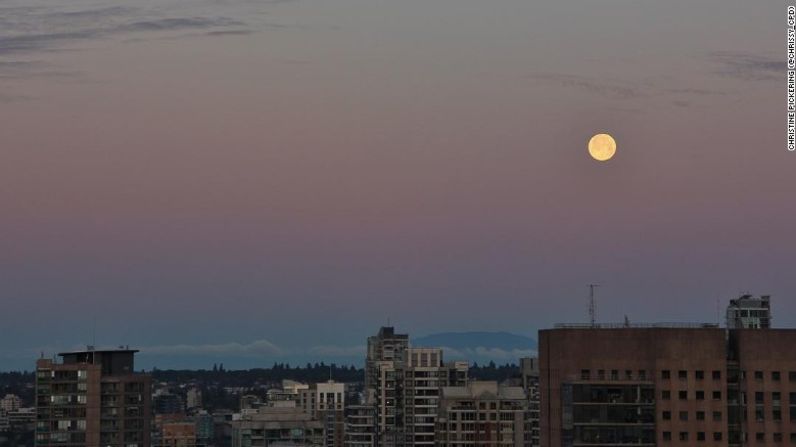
{"points": [[602, 147]]}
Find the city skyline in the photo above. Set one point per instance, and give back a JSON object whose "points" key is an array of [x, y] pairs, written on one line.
{"points": [[286, 175], [501, 348]]}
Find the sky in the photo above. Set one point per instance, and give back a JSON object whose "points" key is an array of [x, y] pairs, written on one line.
{"points": [[251, 181]]}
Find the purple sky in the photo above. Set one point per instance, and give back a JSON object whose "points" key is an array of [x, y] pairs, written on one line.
{"points": [[289, 175]]}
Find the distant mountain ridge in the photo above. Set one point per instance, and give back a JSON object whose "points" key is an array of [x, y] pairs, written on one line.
{"points": [[480, 346]]}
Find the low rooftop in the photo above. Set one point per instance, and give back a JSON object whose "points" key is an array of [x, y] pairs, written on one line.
{"points": [[636, 326]]}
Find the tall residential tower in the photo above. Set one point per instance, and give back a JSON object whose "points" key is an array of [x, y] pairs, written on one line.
{"points": [[92, 398]]}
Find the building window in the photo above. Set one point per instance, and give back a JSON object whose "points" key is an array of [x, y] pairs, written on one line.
{"points": [[700, 436], [700, 395], [601, 374], [716, 375], [792, 376], [666, 415], [683, 395], [682, 375], [666, 374], [642, 375], [717, 436], [777, 437], [666, 394], [760, 436], [700, 415], [793, 438], [614, 374], [667, 436], [699, 374], [758, 375], [759, 398], [776, 414], [717, 416], [684, 436], [775, 376], [683, 415], [717, 395], [585, 374], [628, 375]]}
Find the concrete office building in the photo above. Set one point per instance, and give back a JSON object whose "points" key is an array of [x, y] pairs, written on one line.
{"points": [[667, 385], [483, 414], [92, 398]]}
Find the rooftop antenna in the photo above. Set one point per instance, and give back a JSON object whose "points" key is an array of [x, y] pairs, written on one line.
{"points": [[591, 304]]}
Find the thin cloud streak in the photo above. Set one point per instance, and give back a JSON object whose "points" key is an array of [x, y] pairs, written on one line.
{"points": [[614, 89], [748, 66]]}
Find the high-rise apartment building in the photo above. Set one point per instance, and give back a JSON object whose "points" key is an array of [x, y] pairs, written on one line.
{"points": [[325, 402], [424, 377], [403, 384], [483, 414], [529, 370], [667, 386], [386, 346], [360, 427], [92, 398], [749, 312]]}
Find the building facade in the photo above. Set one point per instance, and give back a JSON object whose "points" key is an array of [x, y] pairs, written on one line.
{"points": [[178, 434], [92, 398], [529, 370], [277, 426], [667, 385], [360, 427], [403, 385], [9, 403], [385, 346], [484, 414], [325, 402], [749, 312]]}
